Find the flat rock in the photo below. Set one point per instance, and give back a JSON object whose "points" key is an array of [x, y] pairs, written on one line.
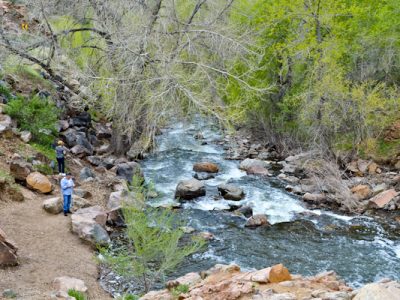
{"points": [[383, 198], [379, 291]]}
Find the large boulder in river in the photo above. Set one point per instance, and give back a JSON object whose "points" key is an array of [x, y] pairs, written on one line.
{"points": [[383, 198], [208, 167], [190, 189], [20, 169], [379, 291], [128, 170], [89, 224], [8, 251], [231, 192], [39, 182]]}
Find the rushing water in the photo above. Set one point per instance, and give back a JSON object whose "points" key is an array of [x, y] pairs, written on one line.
{"points": [[359, 249]]}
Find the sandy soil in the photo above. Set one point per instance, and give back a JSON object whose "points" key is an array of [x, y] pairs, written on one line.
{"points": [[47, 249]]}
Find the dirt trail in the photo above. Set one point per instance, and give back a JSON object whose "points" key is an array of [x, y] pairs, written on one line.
{"points": [[47, 249]]}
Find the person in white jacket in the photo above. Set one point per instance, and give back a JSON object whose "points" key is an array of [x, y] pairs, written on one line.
{"points": [[67, 187]]}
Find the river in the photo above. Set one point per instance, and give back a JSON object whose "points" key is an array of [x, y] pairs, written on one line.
{"points": [[360, 249]]}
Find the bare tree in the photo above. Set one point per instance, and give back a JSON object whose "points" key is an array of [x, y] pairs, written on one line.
{"points": [[146, 62]]}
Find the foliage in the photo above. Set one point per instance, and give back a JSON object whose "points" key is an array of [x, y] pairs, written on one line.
{"points": [[44, 169], [77, 295], [39, 116], [46, 150], [334, 67], [154, 244], [180, 289], [128, 297]]}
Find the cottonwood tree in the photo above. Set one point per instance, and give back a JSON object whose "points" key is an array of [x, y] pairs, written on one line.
{"points": [[144, 63]]}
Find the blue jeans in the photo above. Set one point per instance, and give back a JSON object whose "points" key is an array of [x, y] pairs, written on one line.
{"points": [[67, 202]]}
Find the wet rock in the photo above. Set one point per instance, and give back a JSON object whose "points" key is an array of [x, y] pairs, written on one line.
{"points": [[257, 220], [246, 211], [39, 182], [20, 169], [128, 170], [207, 236], [382, 199], [279, 273], [89, 224], [53, 205], [314, 197], [190, 189], [26, 136], [231, 192], [8, 251], [203, 176], [207, 167], [361, 191]]}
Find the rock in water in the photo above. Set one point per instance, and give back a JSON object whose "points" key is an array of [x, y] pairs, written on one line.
{"points": [[379, 291], [190, 189], [231, 192], [203, 176], [206, 167], [257, 220], [39, 182], [8, 251], [279, 273]]}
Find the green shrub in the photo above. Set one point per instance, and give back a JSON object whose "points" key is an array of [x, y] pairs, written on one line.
{"points": [[77, 295], [180, 289], [128, 297], [39, 116]]}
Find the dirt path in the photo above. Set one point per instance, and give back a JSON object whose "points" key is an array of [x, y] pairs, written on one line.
{"points": [[47, 249]]}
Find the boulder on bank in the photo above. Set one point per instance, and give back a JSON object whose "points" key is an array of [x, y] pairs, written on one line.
{"points": [[279, 273], [231, 192], [249, 163], [128, 170], [190, 189], [86, 173], [308, 197], [257, 220], [207, 167], [383, 198], [89, 224], [53, 205], [20, 169], [8, 251], [39, 182], [379, 291]]}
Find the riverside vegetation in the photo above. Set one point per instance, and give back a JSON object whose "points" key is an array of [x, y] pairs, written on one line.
{"points": [[309, 87]]}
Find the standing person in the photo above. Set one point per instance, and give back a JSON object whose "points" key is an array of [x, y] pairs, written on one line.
{"points": [[60, 155], [67, 186]]}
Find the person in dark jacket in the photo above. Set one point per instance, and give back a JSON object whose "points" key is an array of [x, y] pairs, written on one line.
{"points": [[60, 155]]}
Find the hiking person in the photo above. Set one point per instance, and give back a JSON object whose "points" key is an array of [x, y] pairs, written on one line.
{"points": [[60, 155], [67, 186]]}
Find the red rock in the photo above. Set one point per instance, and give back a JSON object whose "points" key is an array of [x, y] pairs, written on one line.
{"points": [[383, 198], [279, 273], [361, 191], [206, 167]]}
